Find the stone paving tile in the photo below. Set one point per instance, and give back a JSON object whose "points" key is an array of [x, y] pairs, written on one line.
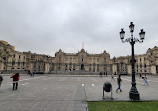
{"points": [[146, 92], [67, 93]]}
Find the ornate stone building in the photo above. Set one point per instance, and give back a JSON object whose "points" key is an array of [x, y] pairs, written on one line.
{"points": [[81, 62], [74, 63], [6, 52], [23, 62]]}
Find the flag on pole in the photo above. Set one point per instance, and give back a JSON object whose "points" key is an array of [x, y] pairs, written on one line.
{"points": [[83, 45]]}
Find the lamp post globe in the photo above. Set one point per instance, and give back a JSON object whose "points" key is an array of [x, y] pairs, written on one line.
{"points": [[122, 34], [131, 27], [142, 34]]}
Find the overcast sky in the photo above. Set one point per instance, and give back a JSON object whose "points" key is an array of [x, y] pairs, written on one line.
{"points": [[45, 26]]}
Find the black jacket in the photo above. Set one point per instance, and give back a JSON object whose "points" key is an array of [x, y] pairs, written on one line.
{"points": [[1, 78], [119, 80]]}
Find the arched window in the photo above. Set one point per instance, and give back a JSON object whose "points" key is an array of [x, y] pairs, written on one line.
{"points": [[70, 59], [104, 60], [82, 58], [89, 67]]}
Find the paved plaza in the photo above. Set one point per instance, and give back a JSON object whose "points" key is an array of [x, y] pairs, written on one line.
{"points": [[67, 92]]}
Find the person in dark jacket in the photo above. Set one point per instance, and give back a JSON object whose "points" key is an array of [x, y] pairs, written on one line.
{"points": [[1, 79], [15, 80], [119, 83], [106, 73]]}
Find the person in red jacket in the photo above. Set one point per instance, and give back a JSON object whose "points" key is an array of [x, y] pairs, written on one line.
{"points": [[15, 80]]}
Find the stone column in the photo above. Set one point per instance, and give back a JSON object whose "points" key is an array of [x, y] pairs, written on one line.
{"points": [[114, 68], [153, 69], [129, 69], [31, 67], [46, 68]]}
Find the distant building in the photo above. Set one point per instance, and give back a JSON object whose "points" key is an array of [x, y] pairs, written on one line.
{"points": [[82, 62], [74, 63]]}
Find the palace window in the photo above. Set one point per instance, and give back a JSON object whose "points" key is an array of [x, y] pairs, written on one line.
{"points": [[70, 67], [93, 67], [52, 66], [13, 63], [137, 66], [74, 60], [144, 65], [18, 63], [140, 65], [4, 58], [59, 66], [66, 59], [82, 58], [90, 59], [89, 67], [104, 60], [98, 67], [70, 59], [73, 66], [66, 67], [93, 59], [97, 59]]}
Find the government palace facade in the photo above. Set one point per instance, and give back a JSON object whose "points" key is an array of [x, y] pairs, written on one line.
{"points": [[74, 63]]}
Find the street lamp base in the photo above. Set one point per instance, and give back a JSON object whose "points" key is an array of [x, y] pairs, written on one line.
{"points": [[134, 96]]}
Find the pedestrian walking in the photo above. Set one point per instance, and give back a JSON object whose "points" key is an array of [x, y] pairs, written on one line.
{"points": [[140, 75], [100, 74], [1, 79], [106, 73], [33, 74], [15, 80], [119, 83], [29, 72], [145, 80], [112, 77]]}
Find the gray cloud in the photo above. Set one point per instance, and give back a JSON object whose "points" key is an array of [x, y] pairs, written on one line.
{"points": [[45, 26]]}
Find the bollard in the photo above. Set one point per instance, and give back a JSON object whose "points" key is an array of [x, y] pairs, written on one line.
{"points": [[107, 87]]}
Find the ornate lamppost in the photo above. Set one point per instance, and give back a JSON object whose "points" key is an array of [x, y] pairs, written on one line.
{"points": [[133, 94]]}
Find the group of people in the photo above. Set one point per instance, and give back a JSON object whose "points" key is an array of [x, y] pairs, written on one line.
{"points": [[119, 81], [15, 80], [112, 79], [101, 73]]}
